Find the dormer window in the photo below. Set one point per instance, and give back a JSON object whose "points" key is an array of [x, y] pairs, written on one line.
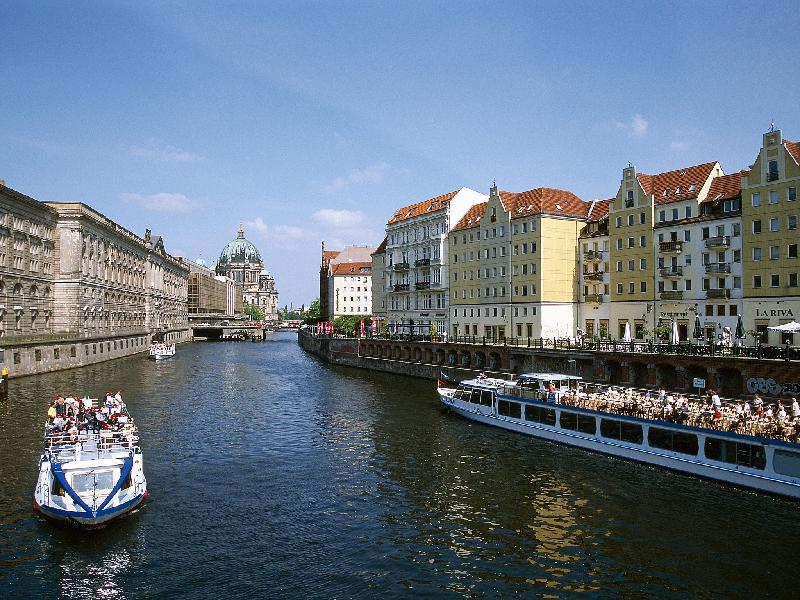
{"points": [[693, 187]]}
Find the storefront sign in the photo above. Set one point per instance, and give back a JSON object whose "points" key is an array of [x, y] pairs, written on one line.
{"points": [[673, 315], [774, 312]]}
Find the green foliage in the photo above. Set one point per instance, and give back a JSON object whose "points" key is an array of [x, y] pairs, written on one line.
{"points": [[348, 325], [254, 312], [311, 316]]}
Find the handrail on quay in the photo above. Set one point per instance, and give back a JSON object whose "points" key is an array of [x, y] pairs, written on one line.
{"points": [[759, 351]]}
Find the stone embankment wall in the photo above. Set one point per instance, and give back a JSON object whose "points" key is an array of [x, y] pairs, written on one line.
{"points": [[730, 376], [34, 357]]}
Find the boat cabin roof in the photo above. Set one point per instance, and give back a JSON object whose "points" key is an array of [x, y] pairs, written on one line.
{"points": [[557, 377]]}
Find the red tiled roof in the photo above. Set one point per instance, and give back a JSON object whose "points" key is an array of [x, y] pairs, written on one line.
{"points": [[473, 217], [794, 150], [544, 200], [677, 185], [726, 186], [415, 210], [598, 209], [352, 268], [330, 254]]}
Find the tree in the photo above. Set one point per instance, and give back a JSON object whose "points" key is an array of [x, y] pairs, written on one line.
{"points": [[254, 312], [311, 316], [347, 325]]}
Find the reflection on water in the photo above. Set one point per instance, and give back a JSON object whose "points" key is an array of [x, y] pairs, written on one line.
{"points": [[272, 474]]}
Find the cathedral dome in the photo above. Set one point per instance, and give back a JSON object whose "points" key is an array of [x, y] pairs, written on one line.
{"points": [[239, 251]]}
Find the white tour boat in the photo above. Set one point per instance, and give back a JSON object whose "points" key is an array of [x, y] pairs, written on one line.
{"points": [[162, 351], [549, 406], [91, 469]]}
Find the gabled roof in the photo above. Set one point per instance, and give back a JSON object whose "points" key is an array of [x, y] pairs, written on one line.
{"points": [[793, 149], [472, 218], [677, 185], [381, 247], [330, 254], [420, 208], [352, 268], [726, 186], [598, 209], [544, 201]]}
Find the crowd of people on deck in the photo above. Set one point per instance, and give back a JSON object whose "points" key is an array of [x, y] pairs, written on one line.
{"points": [[70, 416], [758, 418]]}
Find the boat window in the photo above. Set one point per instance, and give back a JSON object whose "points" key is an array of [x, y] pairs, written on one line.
{"points": [[476, 397], [539, 414], [486, 398], [587, 424], [509, 409], [104, 480], [58, 489], [677, 441], [736, 453], [786, 463], [568, 420], [618, 430], [83, 482]]}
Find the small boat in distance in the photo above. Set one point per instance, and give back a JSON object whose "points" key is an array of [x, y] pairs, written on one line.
{"points": [[161, 351], [727, 444], [91, 470]]}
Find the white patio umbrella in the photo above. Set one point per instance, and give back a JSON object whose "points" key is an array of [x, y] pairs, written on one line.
{"points": [[676, 336], [792, 327], [626, 336]]}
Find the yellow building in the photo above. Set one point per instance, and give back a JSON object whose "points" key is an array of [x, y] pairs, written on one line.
{"points": [[514, 267], [769, 221]]}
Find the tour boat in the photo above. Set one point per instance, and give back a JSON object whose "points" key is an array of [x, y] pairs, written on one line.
{"points": [[162, 351], [89, 478], [547, 405]]}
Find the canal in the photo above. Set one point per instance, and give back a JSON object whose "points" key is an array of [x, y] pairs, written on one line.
{"points": [[272, 474]]}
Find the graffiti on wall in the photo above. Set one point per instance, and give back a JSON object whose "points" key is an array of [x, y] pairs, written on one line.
{"points": [[767, 385]]}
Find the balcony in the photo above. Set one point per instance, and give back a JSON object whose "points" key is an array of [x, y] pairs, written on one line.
{"points": [[674, 271], [670, 246], [671, 295], [718, 294], [595, 298], [422, 262], [719, 241], [593, 276], [403, 266], [423, 285], [401, 287], [592, 255], [718, 267]]}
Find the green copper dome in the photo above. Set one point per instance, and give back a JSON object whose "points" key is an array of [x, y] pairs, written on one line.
{"points": [[238, 251]]}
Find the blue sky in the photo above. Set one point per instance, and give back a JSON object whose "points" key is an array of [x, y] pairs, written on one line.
{"points": [[312, 121]]}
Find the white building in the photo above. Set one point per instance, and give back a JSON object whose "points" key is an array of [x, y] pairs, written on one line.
{"points": [[416, 269], [349, 282]]}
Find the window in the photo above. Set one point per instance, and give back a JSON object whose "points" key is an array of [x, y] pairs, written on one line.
{"points": [[619, 288], [791, 222], [792, 279], [737, 230], [675, 441], [756, 281], [688, 212], [620, 430], [773, 197], [774, 253], [772, 175], [792, 251], [737, 256], [619, 222], [773, 224], [643, 263], [756, 253], [619, 243], [630, 242], [642, 218], [757, 226], [786, 463], [582, 423], [629, 199], [687, 235], [674, 214], [631, 265], [630, 219], [688, 285], [774, 280], [539, 414], [619, 266], [631, 287], [736, 453], [791, 194], [661, 216], [643, 286], [507, 408], [709, 310], [756, 199], [643, 241]]}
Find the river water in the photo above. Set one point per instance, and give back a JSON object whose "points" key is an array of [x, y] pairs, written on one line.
{"points": [[272, 474]]}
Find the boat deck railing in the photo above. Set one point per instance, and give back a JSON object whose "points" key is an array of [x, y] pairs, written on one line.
{"points": [[66, 448], [691, 413]]}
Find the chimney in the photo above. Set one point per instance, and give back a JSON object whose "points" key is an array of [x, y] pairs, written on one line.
{"points": [[2, 181]]}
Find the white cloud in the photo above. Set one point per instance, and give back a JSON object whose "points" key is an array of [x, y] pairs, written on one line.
{"points": [[332, 217], [369, 175], [162, 202], [679, 145], [637, 127], [257, 224], [162, 153]]}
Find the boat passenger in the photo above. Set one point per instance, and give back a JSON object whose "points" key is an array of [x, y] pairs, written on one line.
{"points": [[715, 400], [51, 412], [61, 407], [795, 409], [746, 409], [118, 397], [757, 401]]}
